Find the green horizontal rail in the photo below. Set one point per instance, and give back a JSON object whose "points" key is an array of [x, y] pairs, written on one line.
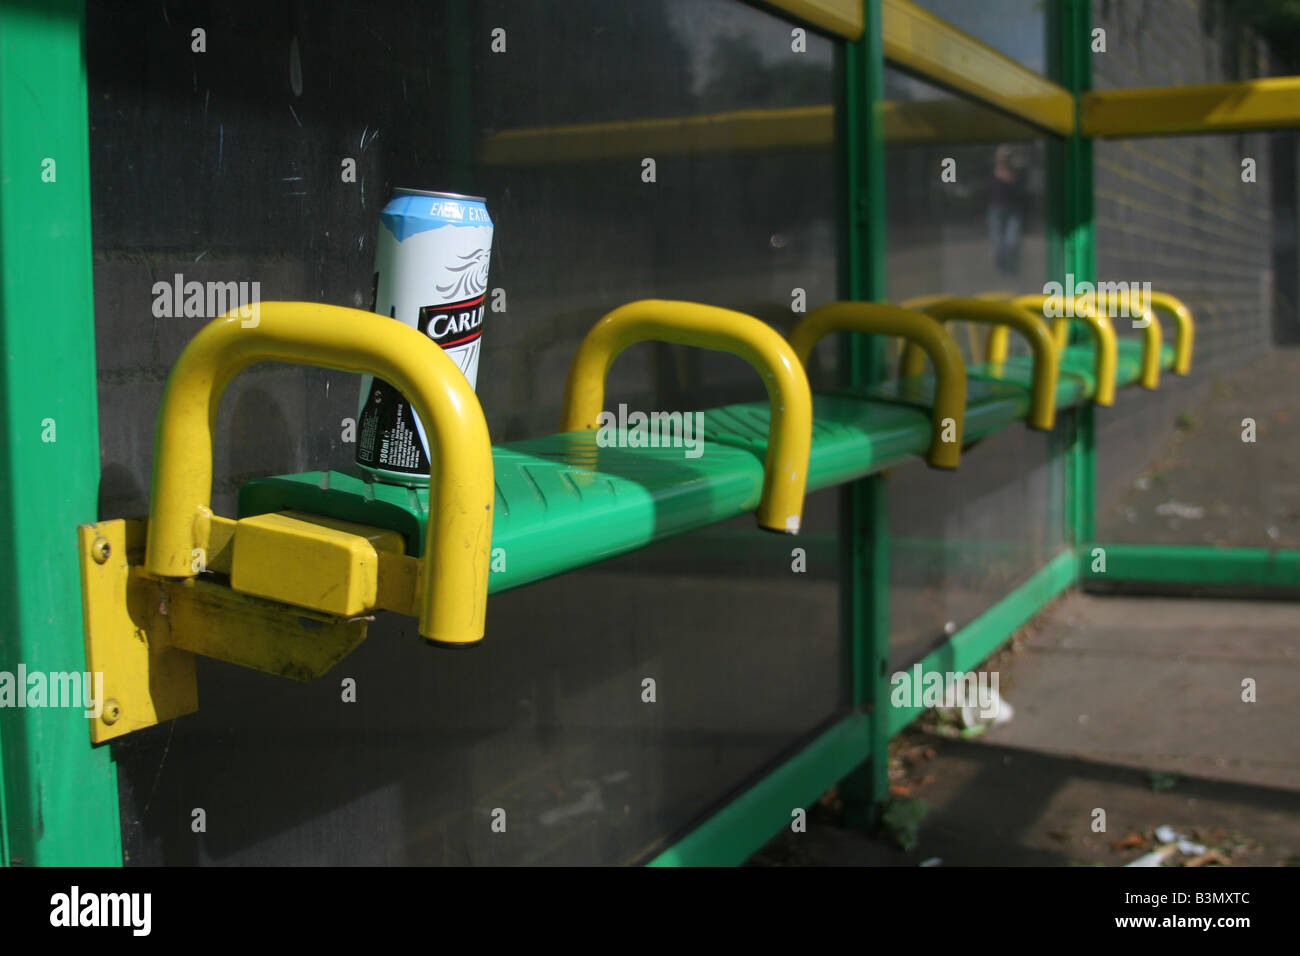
{"points": [[972, 645], [731, 835], [1192, 565]]}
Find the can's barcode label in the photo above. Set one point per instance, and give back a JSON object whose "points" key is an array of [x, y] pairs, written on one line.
{"points": [[388, 432]]}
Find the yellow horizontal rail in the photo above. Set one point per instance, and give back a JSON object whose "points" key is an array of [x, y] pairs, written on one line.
{"points": [[797, 127], [1272, 103], [461, 489], [912, 37], [921, 42], [906, 123], [949, 120], [917, 327], [705, 326], [844, 18]]}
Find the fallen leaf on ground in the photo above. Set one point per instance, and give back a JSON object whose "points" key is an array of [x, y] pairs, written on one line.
{"points": [[1129, 842]]}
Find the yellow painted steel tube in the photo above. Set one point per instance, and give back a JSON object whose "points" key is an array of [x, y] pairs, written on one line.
{"points": [[879, 319], [919, 41], [1105, 343], [705, 326], [1202, 108], [997, 339], [453, 602], [919, 302], [1152, 336], [1042, 393], [1186, 337]]}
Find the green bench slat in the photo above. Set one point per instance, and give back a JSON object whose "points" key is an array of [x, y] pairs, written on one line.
{"points": [[851, 437], [563, 502], [859, 432], [1075, 382]]}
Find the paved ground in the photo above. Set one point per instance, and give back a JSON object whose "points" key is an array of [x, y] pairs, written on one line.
{"points": [[1131, 705], [1128, 705], [1205, 485]]}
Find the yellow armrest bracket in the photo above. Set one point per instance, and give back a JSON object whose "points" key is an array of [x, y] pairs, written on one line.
{"points": [[301, 587], [461, 490], [915, 327], [1105, 343], [1186, 336], [1112, 303], [1042, 396], [689, 323]]}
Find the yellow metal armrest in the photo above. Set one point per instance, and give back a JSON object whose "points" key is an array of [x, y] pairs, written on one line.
{"points": [[919, 302], [995, 342], [1042, 398], [453, 604], [1113, 303], [1186, 337], [1105, 343], [706, 326], [915, 327]]}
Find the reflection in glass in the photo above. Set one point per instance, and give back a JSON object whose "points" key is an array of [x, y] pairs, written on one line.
{"points": [[966, 216], [966, 206], [1015, 28]]}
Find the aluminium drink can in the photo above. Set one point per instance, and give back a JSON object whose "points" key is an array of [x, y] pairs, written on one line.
{"points": [[431, 271]]}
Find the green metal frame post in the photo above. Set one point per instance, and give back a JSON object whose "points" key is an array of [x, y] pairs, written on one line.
{"points": [[864, 505], [1070, 38], [59, 795], [854, 749]]}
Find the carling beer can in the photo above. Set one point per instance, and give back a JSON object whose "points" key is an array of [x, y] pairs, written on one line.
{"points": [[431, 271]]}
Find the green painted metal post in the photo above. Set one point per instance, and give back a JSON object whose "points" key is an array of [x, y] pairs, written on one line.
{"points": [[59, 794], [1072, 246], [864, 505]]}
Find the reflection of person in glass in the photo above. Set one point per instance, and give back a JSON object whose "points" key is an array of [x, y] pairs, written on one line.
{"points": [[1007, 201]]}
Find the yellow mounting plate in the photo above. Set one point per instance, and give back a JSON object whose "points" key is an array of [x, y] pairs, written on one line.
{"points": [[143, 632], [145, 680]]}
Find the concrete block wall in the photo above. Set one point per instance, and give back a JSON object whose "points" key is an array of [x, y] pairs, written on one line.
{"points": [[1175, 212]]}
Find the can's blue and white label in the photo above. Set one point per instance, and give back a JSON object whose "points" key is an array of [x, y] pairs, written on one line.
{"points": [[431, 272]]}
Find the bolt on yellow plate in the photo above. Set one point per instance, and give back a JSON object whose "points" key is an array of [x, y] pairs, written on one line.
{"points": [[146, 681]]}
